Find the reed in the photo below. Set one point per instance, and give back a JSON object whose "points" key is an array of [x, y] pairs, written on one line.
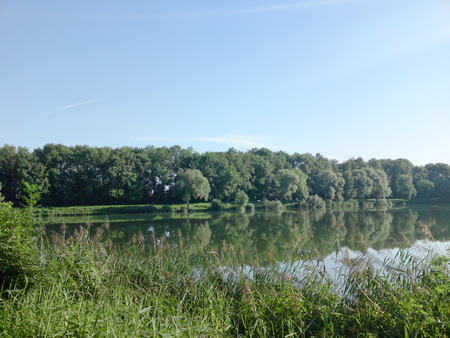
{"points": [[161, 287]]}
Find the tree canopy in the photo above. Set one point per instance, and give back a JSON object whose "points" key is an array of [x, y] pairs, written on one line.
{"points": [[84, 175], [192, 185]]}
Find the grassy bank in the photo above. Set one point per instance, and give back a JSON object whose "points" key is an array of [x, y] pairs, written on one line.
{"points": [[195, 207], [88, 286]]}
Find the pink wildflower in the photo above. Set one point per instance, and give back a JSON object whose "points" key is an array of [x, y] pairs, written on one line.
{"points": [[286, 277]]}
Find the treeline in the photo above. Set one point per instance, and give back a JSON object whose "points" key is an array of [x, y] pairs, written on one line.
{"points": [[84, 175]]}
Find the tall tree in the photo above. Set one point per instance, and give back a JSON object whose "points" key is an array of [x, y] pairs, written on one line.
{"points": [[425, 189], [362, 184], [288, 182], [405, 187], [329, 185], [192, 185], [241, 199], [439, 174], [18, 165], [223, 177], [381, 188]]}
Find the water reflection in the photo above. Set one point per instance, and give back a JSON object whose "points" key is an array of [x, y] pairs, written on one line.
{"points": [[267, 237]]}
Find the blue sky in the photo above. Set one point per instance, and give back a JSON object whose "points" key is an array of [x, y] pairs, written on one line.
{"points": [[344, 78]]}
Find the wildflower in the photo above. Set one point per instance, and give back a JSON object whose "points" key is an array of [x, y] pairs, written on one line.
{"points": [[247, 289], [286, 277]]}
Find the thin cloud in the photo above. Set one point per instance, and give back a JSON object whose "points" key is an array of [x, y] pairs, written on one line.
{"points": [[260, 9], [185, 15], [72, 106], [415, 32], [238, 141], [399, 37]]}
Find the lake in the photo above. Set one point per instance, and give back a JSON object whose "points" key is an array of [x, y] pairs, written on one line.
{"points": [[262, 238]]}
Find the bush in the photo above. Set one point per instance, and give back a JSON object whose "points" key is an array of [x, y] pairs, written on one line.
{"points": [[273, 205], [216, 205], [250, 207], [19, 254], [166, 208], [241, 199], [316, 202]]}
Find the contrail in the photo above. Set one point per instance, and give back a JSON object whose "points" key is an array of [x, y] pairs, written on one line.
{"points": [[72, 106]]}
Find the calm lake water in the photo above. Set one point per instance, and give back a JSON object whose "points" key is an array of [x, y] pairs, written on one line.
{"points": [[269, 237]]}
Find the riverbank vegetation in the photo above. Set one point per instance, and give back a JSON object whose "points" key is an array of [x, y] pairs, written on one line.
{"points": [[86, 285], [93, 176]]}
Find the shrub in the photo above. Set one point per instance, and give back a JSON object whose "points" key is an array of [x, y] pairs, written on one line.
{"points": [[166, 208], [316, 202], [241, 199], [273, 205], [19, 254], [216, 205], [250, 207]]}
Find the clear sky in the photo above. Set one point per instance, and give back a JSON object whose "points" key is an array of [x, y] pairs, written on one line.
{"points": [[344, 78]]}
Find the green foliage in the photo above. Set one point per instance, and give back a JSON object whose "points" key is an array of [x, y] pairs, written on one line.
{"points": [[241, 200], [250, 207], [152, 286], [18, 246], [330, 186], [167, 208], [405, 187], [17, 165], [83, 175], [425, 189], [315, 202], [32, 194], [291, 182], [216, 205], [273, 205], [192, 185]]}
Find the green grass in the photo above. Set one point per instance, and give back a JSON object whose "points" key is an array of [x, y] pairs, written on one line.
{"points": [[150, 287], [73, 211]]}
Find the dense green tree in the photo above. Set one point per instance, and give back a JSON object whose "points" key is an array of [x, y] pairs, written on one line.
{"points": [[419, 173], [125, 167], [91, 175], [241, 199], [362, 184], [262, 179], [288, 182], [395, 168], [424, 188], [302, 191], [405, 187], [191, 184], [370, 183], [18, 165], [89, 164], [439, 174], [61, 167], [349, 190], [381, 188], [329, 185], [223, 177], [242, 162]]}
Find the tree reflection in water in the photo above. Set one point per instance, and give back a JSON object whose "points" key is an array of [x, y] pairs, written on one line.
{"points": [[262, 238]]}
